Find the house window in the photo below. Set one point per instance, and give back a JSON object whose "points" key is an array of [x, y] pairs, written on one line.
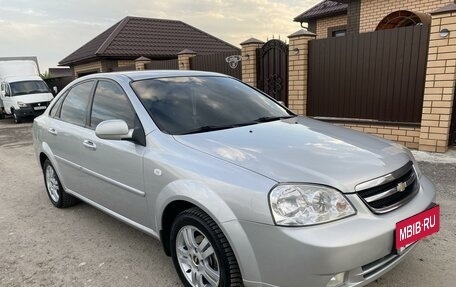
{"points": [[339, 33]]}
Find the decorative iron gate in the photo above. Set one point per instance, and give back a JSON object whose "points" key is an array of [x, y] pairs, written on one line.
{"points": [[272, 69]]}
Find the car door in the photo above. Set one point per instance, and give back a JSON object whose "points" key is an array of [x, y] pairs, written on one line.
{"points": [[8, 100], [114, 168], [65, 124]]}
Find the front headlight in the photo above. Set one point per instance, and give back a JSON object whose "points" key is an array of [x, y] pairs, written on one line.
{"points": [[22, 105], [306, 204]]}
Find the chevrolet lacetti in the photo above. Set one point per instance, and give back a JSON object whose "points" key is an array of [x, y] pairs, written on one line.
{"points": [[239, 189]]}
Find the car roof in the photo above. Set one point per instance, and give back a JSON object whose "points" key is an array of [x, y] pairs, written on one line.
{"points": [[151, 74]]}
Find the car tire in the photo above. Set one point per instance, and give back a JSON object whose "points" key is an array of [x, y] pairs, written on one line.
{"points": [[17, 119], [58, 197], [2, 115], [193, 234]]}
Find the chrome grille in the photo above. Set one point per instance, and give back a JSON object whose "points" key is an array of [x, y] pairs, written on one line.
{"points": [[391, 191]]}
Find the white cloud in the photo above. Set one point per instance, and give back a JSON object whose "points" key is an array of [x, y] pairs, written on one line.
{"points": [[51, 29]]}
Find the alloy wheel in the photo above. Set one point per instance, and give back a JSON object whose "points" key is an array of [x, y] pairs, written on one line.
{"points": [[197, 258], [52, 183]]}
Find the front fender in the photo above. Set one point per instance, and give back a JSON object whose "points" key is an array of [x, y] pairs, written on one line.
{"points": [[197, 193], [200, 195]]}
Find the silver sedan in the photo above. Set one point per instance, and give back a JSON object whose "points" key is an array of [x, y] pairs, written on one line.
{"points": [[239, 189]]}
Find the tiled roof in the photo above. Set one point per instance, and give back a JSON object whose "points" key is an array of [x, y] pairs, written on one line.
{"points": [[326, 8], [133, 37]]}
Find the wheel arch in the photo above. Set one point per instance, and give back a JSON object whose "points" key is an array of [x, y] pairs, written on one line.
{"points": [[179, 197], [45, 152]]}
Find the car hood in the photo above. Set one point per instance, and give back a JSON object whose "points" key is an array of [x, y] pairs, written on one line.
{"points": [[34, 98], [303, 150]]}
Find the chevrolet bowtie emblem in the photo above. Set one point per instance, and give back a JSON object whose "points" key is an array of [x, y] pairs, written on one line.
{"points": [[401, 186]]}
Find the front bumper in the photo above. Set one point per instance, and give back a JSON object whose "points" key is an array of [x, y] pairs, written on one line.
{"points": [[29, 111], [361, 245]]}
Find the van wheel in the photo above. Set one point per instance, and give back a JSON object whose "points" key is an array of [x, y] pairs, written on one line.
{"points": [[57, 195], [201, 253], [17, 119]]}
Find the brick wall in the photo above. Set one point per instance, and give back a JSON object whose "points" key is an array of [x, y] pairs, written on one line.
{"points": [[249, 64], [373, 11], [407, 136], [298, 70], [325, 23], [353, 17], [89, 67], [440, 84]]}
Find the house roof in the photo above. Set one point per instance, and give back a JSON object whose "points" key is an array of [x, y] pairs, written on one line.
{"points": [[133, 37], [326, 8]]}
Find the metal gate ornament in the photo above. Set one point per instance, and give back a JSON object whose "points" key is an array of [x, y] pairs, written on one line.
{"points": [[233, 60]]}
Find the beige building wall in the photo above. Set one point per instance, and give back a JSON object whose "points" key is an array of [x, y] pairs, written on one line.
{"points": [[89, 67], [125, 63], [373, 11], [325, 23]]}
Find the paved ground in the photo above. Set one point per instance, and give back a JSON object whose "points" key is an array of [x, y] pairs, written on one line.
{"points": [[43, 246]]}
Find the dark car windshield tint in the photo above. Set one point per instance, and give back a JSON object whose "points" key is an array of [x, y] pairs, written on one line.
{"points": [[28, 87], [183, 105]]}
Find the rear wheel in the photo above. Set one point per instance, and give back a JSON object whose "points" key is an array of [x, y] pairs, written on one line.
{"points": [[201, 253], [57, 195]]}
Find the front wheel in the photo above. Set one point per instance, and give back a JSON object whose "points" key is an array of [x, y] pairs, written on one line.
{"points": [[17, 119], [201, 253]]}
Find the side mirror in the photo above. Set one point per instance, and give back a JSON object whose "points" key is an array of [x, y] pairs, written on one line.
{"points": [[113, 130]]}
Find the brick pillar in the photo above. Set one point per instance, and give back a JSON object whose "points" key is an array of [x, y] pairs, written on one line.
{"points": [[249, 65], [141, 62], [298, 69], [440, 82], [184, 59]]}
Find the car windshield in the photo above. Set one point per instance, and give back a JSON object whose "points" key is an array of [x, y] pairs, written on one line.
{"points": [[185, 105], [28, 87]]}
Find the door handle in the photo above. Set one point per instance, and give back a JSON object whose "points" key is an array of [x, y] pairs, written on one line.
{"points": [[52, 131], [89, 144]]}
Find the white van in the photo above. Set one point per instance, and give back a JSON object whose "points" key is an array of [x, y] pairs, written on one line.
{"points": [[22, 91]]}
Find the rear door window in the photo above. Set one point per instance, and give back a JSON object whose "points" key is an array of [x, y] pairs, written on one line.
{"points": [[111, 103], [55, 110], [75, 105]]}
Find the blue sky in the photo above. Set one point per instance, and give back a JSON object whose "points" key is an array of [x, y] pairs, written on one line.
{"points": [[52, 29]]}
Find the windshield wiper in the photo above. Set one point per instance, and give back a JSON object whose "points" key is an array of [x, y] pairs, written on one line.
{"points": [[271, 119], [208, 128]]}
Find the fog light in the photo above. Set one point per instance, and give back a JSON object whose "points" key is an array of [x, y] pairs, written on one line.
{"points": [[337, 280]]}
